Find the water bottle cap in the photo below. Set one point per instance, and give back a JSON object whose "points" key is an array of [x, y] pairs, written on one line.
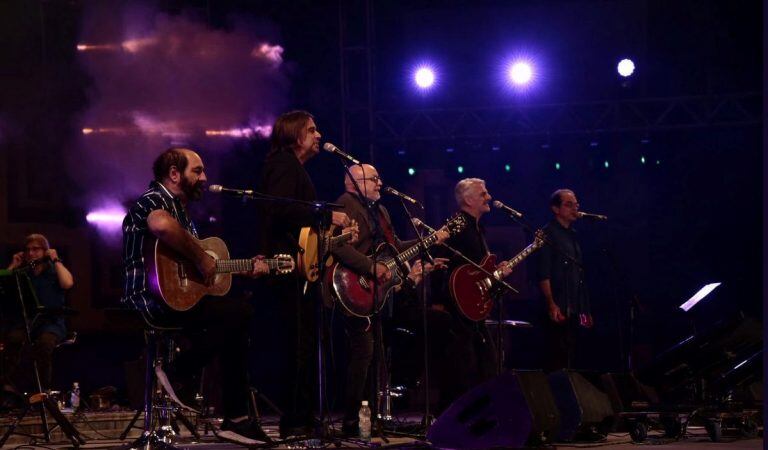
{"points": [[365, 402]]}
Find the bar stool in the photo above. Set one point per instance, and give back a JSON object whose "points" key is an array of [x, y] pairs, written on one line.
{"points": [[162, 408]]}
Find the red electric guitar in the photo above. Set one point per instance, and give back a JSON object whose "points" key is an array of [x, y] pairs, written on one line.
{"points": [[473, 290]]}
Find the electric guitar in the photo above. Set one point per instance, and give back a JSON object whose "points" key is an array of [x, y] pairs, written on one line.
{"points": [[474, 291], [176, 280], [310, 248], [356, 292]]}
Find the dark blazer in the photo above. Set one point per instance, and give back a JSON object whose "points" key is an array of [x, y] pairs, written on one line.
{"points": [[355, 256], [285, 176]]}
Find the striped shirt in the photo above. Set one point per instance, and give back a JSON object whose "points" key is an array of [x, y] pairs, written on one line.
{"points": [[135, 231]]}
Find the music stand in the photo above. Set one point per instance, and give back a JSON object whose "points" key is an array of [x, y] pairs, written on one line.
{"points": [[13, 290]]}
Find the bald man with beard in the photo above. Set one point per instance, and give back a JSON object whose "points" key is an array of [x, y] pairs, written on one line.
{"points": [[374, 228]]}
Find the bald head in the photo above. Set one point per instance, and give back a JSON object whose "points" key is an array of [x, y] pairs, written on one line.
{"points": [[367, 177]]}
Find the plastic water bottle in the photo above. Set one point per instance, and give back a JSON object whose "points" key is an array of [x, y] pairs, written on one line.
{"points": [[74, 398], [365, 421]]}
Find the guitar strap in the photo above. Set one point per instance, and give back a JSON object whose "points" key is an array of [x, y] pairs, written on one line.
{"points": [[386, 228]]}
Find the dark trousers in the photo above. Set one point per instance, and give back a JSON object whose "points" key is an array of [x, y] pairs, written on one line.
{"points": [[359, 374], [42, 349], [218, 326], [562, 345], [298, 317], [468, 357]]}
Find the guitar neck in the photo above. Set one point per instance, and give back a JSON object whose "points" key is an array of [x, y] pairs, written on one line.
{"points": [[242, 265], [413, 250], [517, 259], [340, 239]]}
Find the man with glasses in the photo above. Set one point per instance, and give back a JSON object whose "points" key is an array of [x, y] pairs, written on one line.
{"points": [[561, 280], [375, 227], [50, 279]]}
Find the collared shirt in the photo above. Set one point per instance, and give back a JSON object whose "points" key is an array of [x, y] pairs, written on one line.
{"points": [[566, 277], [470, 241], [135, 232]]}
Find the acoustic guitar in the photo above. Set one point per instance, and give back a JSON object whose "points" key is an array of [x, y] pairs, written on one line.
{"points": [[176, 280], [474, 291], [310, 247]]}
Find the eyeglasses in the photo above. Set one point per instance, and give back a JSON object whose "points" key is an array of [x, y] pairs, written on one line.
{"points": [[374, 178]]}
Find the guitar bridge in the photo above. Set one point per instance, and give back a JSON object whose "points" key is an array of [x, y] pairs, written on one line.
{"points": [[364, 283]]}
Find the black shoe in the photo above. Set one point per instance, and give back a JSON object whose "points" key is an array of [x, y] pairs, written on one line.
{"points": [[246, 432]]}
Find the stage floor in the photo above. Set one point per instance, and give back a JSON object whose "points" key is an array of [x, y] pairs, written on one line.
{"points": [[102, 430]]}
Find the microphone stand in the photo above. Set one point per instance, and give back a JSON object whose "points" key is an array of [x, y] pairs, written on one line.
{"points": [[323, 214], [425, 257], [41, 397]]}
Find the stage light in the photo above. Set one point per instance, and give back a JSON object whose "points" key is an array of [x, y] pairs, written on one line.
{"points": [[460, 169], [109, 219], [606, 164], [642, 160], [557, 166], [520, 73], [507, 167], [411, 171], [424, 77], [626, 67], [699, 296]]}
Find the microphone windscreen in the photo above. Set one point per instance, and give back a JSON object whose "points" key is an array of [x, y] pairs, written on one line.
{"points": [[214, 188], [329, 147], [497, 204]]}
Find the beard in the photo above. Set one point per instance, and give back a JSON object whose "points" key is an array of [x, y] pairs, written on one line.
{"points": [[193, 191]]}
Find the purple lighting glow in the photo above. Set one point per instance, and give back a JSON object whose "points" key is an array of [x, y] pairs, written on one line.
{"points": [[108, 219]]}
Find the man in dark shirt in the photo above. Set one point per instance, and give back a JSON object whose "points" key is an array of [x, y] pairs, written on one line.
{"points": [[295, 139], [561, 280], [357, 256], [50, 280], [215, 325], [469, 356]]}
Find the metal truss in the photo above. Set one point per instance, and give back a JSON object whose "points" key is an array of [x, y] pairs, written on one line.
{"points": [[626, 115]]}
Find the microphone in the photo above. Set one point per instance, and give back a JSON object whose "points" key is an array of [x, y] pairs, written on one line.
{"points": [[219, 189], [416, 221], [507, 209], [397, 193], [583, 215], [336, 150]]}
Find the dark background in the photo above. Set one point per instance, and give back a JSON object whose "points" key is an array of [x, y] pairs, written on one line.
{"points": [[688, 216]]}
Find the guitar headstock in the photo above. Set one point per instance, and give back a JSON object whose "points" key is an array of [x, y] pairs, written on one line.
{"points": [[456, 224], [539, 239], [283, 264]]}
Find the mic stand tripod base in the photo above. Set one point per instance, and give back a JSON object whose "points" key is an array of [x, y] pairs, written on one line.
{"points": [[49, 406]]}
